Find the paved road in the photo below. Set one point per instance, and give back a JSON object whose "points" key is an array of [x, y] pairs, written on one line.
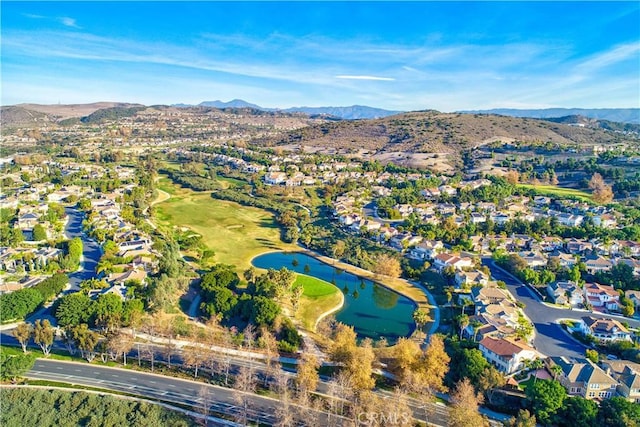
{"points": [[371, 210], [91, 251], [550, 338], [169, 389]]}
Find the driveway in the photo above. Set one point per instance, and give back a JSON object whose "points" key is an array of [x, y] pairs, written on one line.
{"points": [[550, 338]]}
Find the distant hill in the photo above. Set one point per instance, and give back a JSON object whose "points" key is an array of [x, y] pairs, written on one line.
{"points": [[621, 115], [234, 103], [434, 132], [37, 114], [353, 112], [577, 120], [113, 113]]}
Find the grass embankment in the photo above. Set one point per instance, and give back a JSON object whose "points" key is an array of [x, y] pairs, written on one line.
{"points": [[234, 232], [555, 191], [319, 299]]}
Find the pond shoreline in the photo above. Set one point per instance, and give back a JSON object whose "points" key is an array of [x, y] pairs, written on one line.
{"points": [[412, 292]]}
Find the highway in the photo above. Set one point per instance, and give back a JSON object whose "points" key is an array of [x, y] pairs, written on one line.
{"points": [[195, 394], [550, 338]]}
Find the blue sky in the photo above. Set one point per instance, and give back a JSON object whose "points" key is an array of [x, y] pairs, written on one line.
{"points": [[405, 56]]}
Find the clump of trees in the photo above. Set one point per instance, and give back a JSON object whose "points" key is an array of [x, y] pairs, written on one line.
{"points": [[23, 406], [19, 304], [258, 304]]}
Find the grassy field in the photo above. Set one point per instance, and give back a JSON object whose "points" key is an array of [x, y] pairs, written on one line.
{"points": [[318, 298], [235, 233], [554, 191]]}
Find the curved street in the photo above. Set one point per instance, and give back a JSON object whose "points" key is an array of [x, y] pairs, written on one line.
{"points": [[550, 338], [91, 251]]}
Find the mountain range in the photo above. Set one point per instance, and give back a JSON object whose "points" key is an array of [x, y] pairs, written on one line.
{"points": [[348, 113]]}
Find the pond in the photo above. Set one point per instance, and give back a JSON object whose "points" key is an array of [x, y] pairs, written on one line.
{"points": [[373, 310]]}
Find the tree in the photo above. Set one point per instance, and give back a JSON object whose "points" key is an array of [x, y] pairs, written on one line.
{"points": [[512, 177], [465, 403], [74, 309], [618, 412], [307, 376], [405, 358], [524, 419], [22, 333], [264, 311], [421, 317], [86, 340], [296, 293], [592, 355], [387, 265], [577, 411], [39, 233], [545, 398], [489, 381], [244, 384], [13, 366], [43, 335], [601, 192], [108, 311]]}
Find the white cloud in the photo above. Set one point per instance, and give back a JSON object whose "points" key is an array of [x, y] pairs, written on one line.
{"points": [[68, 22], [384, 79]]}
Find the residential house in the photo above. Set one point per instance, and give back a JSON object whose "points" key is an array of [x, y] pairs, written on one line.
{"points": [[575, 246], [604, 330], [27, 221], [507, 355], [275, 178], [427, 249], [469, 279], [628, 376], [565, 260], [598, 264], [444, 260], [489, 295], [602, 296], [565, 293], [534, 260], [570, 220], [582, 377]]}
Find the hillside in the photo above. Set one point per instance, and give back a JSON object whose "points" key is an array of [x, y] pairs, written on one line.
{"points": [[412, 136], [621, 115], [26, 115]]}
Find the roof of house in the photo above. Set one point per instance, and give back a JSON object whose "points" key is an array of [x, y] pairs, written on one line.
{"points": [[504, 347], [603, 326], [582, 370]]}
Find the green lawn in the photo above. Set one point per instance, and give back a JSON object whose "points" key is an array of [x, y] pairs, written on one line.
{"points": [[234, 232], [554, 191], [319, 297]]}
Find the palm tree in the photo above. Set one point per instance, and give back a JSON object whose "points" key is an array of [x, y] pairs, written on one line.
{"points": [[421, 317], [556, 370]]}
